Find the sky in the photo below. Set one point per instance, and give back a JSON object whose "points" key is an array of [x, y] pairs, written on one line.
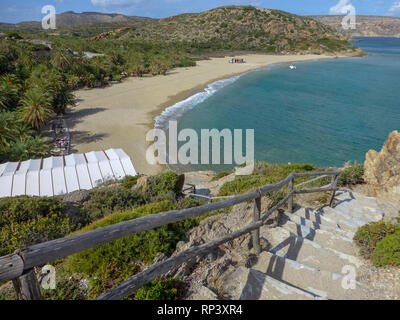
{"points": [[13, 11]]}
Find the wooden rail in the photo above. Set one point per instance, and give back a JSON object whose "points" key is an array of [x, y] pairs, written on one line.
{"points": [[19, 265]]}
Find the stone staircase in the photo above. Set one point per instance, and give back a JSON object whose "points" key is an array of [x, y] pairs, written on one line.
{"points": [[310, 255]]}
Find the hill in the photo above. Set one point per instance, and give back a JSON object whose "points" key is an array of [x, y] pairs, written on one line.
{"points": [[244, 28], [231, 28], [368, 26]]}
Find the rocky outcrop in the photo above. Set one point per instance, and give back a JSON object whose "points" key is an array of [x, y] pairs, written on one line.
{"points": [[382, 169], [202, 275]]}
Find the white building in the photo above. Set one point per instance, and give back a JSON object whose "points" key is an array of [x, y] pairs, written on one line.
{"points": [[60, 175]]}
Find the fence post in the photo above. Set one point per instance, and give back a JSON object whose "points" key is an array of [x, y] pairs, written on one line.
{"points": [[27, 286], [334, 183], [290, 201], [256, 217]]}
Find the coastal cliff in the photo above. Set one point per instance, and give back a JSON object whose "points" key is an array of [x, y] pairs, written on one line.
{"points": [[382, 169]]}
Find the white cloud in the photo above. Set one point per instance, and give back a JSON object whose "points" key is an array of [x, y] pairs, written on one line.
{"points": [[395, 8], [341, 8]]}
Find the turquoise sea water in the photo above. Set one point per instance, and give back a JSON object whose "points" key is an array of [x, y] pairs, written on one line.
{"points": [[325, 112]]}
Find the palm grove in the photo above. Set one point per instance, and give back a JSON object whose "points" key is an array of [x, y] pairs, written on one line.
{"points": [[36, 82]]}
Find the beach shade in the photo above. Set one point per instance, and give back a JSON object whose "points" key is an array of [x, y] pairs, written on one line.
{"points": [[81, 179], [6, 179], [119, 156], [60, 175]]}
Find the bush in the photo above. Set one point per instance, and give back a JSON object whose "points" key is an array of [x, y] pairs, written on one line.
{"points": [[26, 220], [368, 236], [264, 173], [352, 175], [66, 289], [158, 290], [113, 262], [387, 251], [163, 185], [13, 35], [104, 201], [129, 181]]}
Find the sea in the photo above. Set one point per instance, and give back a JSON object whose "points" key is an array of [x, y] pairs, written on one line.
{"points": [[326, 113]]}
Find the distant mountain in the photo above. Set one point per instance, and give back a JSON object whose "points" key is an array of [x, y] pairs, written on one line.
{"points": [[368, 26], [70, 18]]}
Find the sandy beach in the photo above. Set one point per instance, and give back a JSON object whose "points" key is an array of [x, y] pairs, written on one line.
{"points": [[120, 115]]}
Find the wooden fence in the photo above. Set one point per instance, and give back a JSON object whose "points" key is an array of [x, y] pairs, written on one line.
{"points": [[19, 266]]}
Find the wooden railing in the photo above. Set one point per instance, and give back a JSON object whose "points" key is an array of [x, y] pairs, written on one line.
{"points": [[19, 265]]}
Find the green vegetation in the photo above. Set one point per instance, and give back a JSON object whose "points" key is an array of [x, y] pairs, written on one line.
{"points": [[387, 251], [25, 221], [380, 242], [220, 175], [352, 175], [107, 265], [106, 200], [159, 290], [36, 82], [264, 173]]}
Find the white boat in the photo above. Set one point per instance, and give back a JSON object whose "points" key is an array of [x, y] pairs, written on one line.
{"points": [[292, 67]]}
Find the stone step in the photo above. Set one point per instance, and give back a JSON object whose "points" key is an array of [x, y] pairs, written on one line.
{"points": [[342, 217], [324, 237], [319, 282], [335, 220], [248, 284], [352, 197], [314, 216], [355, 208], [285, 244], [314, 225]]}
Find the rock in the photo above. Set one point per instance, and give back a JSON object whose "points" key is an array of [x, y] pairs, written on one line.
{"points": [[136, 186], [382, 170], [203, 293], [80, 197], [160, 257], [143, 181]]}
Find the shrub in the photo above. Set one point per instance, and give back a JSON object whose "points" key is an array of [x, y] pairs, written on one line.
{"points": [[13, 35], [264, 173], [164, 184], [129, 181], [26, 220], [387, 251], [66, 289], [159, 290], [104, 201], [368, 236], [113, 262], [352, 175]]}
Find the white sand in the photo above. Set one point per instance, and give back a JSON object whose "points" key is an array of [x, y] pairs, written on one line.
{"points": [[119, 116]]}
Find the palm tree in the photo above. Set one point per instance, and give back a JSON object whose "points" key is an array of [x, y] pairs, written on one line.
{"points": [[62, 99], [35, 109], [7, 134], [61, 60], [12, 129], [9, 92]]}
